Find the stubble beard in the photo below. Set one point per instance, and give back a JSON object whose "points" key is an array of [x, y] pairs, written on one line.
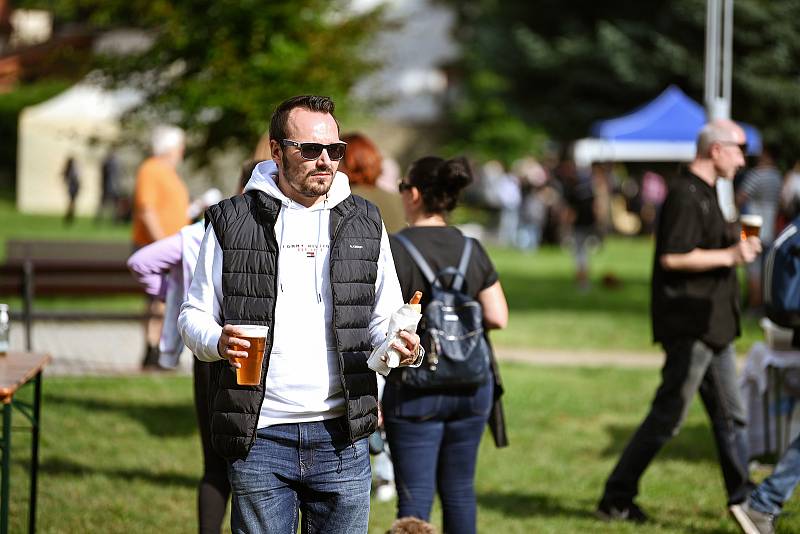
{"points": [[304, 183]]}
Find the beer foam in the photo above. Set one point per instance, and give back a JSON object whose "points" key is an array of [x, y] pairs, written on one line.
{"points": [[750, 219], [252, 330]]}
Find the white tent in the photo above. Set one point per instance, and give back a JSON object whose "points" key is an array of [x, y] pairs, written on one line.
{"points": [[79, 122], [589, 150]]}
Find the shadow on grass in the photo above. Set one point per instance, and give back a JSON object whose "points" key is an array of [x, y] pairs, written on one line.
{"points": [[531, 505], [535, 504], [694, 443], [61, 467], [162, 420], [560, 293]]}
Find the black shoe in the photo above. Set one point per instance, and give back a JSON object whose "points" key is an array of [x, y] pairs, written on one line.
{"points": [[150, 360], [610, 511]]}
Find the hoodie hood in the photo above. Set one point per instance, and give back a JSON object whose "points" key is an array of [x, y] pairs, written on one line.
{"points": [[265, 176]]}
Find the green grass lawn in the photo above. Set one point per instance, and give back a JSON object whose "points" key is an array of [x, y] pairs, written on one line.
{"points": [[15, 225], [123, 455], [548, 311]]}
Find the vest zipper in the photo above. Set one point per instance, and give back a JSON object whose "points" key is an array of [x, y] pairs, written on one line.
{"points": [[339, 224]]}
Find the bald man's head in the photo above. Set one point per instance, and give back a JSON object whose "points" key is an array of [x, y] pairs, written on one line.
{"points": [[721, 131]]}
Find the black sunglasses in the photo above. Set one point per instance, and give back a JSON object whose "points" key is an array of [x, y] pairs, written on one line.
{"points": [[742, 147], [403, 186], [311, 151]]}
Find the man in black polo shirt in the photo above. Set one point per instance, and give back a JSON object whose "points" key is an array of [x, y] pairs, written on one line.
{"points": [[695, 314]]}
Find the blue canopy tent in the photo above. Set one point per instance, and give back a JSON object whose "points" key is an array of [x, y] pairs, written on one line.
{"points": [[664, 129]]}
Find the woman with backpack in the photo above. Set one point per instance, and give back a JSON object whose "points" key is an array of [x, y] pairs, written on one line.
{"points": [[435, 414]]}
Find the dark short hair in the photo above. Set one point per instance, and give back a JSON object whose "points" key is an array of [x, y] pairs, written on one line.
{"points": [[280, 117]]}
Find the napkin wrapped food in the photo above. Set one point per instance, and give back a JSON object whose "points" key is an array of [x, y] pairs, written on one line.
{"points": [[385, 358]]}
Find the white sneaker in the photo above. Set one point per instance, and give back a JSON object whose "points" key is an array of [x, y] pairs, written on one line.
{"points": [[385, 492], [752, 521]]}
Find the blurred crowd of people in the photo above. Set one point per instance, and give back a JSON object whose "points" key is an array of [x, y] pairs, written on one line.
{"points": [[553, 200]]}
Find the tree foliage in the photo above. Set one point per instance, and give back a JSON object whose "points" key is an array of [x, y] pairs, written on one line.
{"points": [[563, 64], [223, 65]]}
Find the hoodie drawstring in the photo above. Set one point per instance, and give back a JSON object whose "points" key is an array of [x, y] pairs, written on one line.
{"points": [[317, 274], [280, 245]]}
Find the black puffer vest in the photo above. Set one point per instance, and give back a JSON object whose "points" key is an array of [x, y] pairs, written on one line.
{"points": [[244, 227]]}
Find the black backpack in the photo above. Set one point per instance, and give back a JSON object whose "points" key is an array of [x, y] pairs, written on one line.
{"points": [[451, 330]]}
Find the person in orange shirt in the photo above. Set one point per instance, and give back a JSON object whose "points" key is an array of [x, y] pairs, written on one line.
{"points": [[160, 209], [160, 200]]}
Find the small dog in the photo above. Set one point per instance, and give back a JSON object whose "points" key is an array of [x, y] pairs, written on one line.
{"points": [[411, 525]]}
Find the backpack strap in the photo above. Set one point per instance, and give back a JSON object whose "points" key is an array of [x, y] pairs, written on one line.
{"points": [[416, 255], [459, 275], [458, 280]]}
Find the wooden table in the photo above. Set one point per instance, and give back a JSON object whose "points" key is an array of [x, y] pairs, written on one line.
{"points": [[16, 370]]}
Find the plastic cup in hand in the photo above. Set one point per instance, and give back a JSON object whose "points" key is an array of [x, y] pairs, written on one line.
{"points": [[751, 225], [249, 374]]}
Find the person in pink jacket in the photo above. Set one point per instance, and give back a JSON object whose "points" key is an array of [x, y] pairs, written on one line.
{"points": [[165, 269]]}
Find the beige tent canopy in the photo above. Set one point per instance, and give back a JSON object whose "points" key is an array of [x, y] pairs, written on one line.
{"points": [[79, 122]]}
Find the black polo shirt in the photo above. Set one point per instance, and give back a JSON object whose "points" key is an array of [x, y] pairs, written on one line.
{"points": [[699, 305]]}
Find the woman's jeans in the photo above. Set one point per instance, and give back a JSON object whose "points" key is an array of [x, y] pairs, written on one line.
{"points": [[690, 366], [434, 440], [305, 467], [776, 489]]}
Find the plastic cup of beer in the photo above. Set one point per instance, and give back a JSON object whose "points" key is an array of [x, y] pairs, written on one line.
{"points": [[249, 374], [751, 225]]}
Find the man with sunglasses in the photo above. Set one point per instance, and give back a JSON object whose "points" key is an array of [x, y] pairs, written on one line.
{"points": [[299, 253], [695, 317]]}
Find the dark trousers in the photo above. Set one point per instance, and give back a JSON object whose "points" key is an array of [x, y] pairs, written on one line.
{"points": [[690, 366], [214, 488]]}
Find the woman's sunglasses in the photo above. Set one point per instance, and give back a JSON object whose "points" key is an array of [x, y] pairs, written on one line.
{"points": [[311, 151]]}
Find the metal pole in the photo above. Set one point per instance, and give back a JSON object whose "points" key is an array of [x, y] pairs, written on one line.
{"points": [[6, 475], [712, 60], [727, 55], [37, 423], [27, 302]]}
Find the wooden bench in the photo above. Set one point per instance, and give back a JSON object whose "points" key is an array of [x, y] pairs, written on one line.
{"points": [[67, 268]]}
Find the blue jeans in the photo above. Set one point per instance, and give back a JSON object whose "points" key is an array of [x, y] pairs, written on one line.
{"points": [[434, 440], [690, 366], [776, 489], [302, 467]]}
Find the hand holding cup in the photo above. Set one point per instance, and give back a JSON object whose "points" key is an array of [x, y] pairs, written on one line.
{"points": [[746, 251], [751, 225], [243, 346], [232, 347]]}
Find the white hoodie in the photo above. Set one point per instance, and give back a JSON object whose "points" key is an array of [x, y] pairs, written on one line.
{"points": [[303, 380]]}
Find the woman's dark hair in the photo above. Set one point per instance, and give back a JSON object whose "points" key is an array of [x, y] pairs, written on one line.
{"points": [[439, 181]]}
